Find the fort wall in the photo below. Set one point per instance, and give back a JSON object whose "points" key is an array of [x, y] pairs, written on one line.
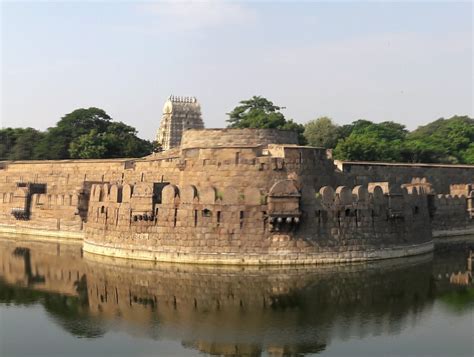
{"points": [[205, 138], [234, 196], [440, 176]]}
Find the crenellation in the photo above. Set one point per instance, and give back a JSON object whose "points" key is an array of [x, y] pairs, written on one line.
{"points": [[232, 196]]}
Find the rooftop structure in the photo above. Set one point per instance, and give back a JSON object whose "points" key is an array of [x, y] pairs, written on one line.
{"points": [[179, 114]]}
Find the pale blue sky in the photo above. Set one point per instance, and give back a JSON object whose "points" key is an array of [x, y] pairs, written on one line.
{"points": [[409, 62]]}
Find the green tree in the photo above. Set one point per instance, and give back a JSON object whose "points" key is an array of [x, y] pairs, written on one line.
{"points": [[468, 155], [83, 133], [451, 139], [19, 143], [118, 140], [25, 144], [367, 141], [55, 144], [92, 145], [259, 112], [322, 132], [7, 140]]}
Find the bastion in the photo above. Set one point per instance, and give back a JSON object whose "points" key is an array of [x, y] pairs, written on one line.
{"points": [[234, 196]]}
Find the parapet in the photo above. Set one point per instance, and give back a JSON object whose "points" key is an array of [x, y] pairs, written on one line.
{"points": [[208, 138]]}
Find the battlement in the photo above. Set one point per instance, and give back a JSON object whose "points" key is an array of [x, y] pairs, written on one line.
{"points": [[234, 196]]}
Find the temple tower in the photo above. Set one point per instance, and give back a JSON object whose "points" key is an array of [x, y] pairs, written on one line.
{"points": [[179, 114]]}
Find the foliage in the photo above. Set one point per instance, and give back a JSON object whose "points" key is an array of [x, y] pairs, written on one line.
{"points": [[369, 141], [16, 143], [322, 132], [83, 133], [452, 139], [259, 112], [442, 141]]}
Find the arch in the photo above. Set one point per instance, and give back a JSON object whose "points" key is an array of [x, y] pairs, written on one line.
{"points": [[360, 193], [207, 195], [188, 193], [143, 189], [169, 194], [377, 195], [344, 195], [114, 193], [126, 192], [96, 192], [284, 188], [327, 195]]}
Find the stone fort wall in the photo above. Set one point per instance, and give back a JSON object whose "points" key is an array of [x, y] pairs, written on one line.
{"points": [[440, 176], [233, 196], [230, 137]]}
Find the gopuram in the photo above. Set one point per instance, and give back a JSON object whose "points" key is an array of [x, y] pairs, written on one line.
{"points": [[237, 196], [179, 115]]}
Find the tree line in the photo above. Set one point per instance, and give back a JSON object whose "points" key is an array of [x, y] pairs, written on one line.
{"points": [[82, 134], [448, 141], [91, 133]]}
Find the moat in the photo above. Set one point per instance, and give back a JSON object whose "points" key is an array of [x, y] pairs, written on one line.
{"points": [[56, 300]]}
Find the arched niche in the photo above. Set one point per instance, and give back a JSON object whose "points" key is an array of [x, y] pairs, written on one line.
{"points": [[344, 194], [169, 194], [207, 195], [188, 194]]}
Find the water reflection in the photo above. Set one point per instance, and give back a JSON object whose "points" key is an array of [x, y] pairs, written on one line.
{"points": [[232, 310]]}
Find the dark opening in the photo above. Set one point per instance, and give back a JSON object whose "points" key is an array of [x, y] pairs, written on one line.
{"points": [[157, 191]]}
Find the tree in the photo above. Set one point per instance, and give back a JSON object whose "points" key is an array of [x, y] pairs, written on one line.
{"points": [[468, 155], [369, 141], [118, 140], [55, 144], [322, 132], [25, 144], [92, 145], [450, 138], [83, 133], [19, 143], [259, 112]]}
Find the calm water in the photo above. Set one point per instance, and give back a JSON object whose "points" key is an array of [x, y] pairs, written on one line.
{"points": [[55, 302]]}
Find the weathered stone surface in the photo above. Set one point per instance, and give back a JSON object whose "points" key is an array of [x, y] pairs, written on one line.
{"points": [[218, 200]]}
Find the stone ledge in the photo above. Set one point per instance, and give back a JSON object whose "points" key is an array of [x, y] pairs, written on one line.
{"points": [[262, 259], [8, 229], [453, 232]]}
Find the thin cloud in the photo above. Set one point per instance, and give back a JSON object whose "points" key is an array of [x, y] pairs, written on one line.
{"points": [[198, 15]]}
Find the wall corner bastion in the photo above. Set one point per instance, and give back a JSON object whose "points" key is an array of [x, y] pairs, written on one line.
{"points": [[238, 196]]}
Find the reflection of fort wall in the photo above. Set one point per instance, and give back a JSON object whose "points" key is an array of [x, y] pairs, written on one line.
{"points": [[205, 305], [234, 310], [44, 266]]}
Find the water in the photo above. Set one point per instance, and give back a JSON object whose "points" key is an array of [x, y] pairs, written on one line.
{"points": [[56, 302]]}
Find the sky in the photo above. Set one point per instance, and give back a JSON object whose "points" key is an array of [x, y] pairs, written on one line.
{"points": [[405, 61]]}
